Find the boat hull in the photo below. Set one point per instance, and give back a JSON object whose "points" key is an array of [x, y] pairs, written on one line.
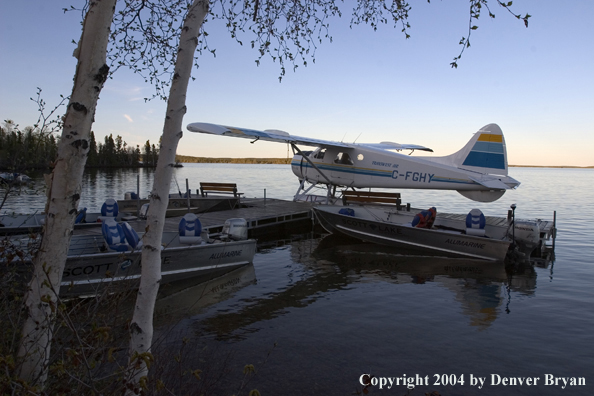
{"points": [[423, 241], [87, 272]]}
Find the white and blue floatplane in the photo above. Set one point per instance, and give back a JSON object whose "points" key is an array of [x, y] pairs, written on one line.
{"points": [[478, 171]]}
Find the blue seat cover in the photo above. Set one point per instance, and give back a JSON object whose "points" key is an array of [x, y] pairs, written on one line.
{"points": [[190, 229], [113, 234], [190, 225], [475, 219], [109, 208], [131, 236], [80, 217]]}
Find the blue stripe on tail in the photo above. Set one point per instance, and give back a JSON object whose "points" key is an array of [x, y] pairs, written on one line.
{"points": [[485, 160]]}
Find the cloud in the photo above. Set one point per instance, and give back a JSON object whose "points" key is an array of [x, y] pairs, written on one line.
{"points": [[128, 92], [126, 116]]}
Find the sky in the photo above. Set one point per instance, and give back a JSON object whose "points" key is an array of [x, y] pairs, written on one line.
{"points": [[536, 83]]}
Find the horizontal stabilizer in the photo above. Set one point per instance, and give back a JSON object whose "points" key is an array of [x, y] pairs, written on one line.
{"points": [[494, 184]]}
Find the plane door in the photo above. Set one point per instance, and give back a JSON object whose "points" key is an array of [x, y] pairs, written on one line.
{"points": [[343, 169]]}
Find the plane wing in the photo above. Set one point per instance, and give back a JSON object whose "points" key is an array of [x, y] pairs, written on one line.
{"points": [[270, 135], [273, 135], [396, 146]]}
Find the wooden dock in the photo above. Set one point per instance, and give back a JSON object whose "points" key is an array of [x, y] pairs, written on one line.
{"points": [[259, 214], [263, 216]]}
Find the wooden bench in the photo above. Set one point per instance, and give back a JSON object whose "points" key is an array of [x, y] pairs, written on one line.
{"points": [[220, 188], [371, 197]]}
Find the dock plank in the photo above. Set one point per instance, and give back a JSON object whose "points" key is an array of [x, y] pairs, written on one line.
{"points": [[257, 212]]}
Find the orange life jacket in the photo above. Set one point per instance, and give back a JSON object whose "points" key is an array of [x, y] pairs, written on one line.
{"points": [[425, 218]]}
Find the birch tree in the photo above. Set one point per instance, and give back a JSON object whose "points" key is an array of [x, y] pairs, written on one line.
{"points": [[141, 326], [64, 194]]}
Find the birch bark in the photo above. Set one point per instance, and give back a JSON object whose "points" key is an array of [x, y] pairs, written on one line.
{"points": [[63, 197], [141, 326]]}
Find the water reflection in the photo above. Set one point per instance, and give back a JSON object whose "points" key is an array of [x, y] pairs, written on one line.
{"points": [[316, 269], [180, 300], [477, 285]]}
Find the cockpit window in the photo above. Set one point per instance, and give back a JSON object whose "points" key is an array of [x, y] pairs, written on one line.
{"points": [[319, 154], [343, 158]]}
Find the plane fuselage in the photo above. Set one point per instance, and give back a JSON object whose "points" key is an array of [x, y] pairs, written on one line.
{"points": [[362, 167]]}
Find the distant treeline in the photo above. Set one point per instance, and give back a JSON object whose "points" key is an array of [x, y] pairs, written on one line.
{"points": [[28, 149], [116, 153], [209, 160]]}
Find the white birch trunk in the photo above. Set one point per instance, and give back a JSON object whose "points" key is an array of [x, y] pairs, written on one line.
{"points": [[141, 327], [64, 194]]}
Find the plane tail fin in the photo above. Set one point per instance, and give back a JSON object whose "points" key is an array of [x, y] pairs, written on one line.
{"points": [[485, 152]]}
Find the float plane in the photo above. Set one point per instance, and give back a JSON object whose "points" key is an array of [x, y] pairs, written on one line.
{"points": [[478, 171]]}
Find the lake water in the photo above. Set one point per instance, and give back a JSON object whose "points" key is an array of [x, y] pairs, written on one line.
{"points": [[313, 315]]}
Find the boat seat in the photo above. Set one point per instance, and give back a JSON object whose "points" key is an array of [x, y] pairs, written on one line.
{"points": [[475, 223], [80, 217], [114, 236], [109, 209], [190, 229], [131, 236]]}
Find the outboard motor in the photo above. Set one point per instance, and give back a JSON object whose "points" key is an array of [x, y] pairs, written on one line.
{"points": [[143, 211], [235, 229], [527, 234]]}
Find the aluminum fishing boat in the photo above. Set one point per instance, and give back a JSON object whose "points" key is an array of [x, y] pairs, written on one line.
{"points": [[471, 236], [96, 260]]}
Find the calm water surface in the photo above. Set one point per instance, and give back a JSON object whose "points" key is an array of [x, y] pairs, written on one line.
{"points": [[315, 314]]}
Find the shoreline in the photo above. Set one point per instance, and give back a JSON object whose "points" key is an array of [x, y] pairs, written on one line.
{"points": [[279, 161]]}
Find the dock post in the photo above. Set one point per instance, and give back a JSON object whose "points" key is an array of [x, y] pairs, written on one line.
{"points": [[513, 208], [554, 228], [138, 195], [188, 194]]}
